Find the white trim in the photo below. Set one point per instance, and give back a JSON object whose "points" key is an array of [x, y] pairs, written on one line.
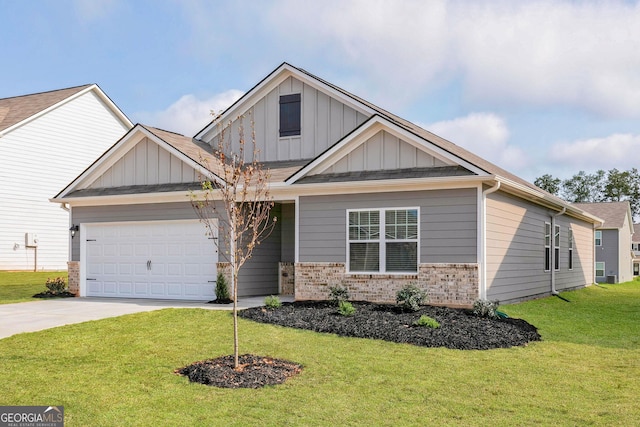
{"points": [[382, 240], [482, 237], [367, 130], [119, 150], [275, 78], [296, 255], [550, 246], [113, 107], [556, 248]]}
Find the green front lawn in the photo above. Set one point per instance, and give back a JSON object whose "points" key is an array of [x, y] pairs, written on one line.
{"points": [[20, 286], [120, 371]]}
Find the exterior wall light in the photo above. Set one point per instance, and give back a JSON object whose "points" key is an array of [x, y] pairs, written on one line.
{"points": [[74, 229]]}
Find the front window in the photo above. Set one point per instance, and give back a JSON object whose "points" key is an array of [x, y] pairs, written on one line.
{"points": [[598, 238], [383, 240], [599, 269]]}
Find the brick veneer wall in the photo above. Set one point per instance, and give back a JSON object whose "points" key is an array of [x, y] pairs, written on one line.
{"points": [[287, 278], [73, 271], [445, 284]]}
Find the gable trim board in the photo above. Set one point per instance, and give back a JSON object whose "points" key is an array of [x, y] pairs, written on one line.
{"points": [[451, 194]]}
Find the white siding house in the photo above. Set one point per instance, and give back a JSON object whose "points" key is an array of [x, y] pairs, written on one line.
{"points": [[46, 140]]}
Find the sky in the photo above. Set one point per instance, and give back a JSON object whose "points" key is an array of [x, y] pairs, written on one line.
{"points": [[536, 87]]}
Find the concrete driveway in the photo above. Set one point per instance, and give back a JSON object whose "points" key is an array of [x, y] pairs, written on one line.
{"points": [[45, 314]]}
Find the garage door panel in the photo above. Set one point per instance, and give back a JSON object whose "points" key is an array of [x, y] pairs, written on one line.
{"points": [[172, 259]]}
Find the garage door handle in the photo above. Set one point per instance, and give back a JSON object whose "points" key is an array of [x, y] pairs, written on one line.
{"points": [[149, 265]]}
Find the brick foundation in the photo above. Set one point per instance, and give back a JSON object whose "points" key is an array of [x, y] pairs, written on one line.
{"points": [[73, 271], [446, 284], [287, 278]]}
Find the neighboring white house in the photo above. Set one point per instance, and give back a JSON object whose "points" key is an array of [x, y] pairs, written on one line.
{"points": [[47, 139]]}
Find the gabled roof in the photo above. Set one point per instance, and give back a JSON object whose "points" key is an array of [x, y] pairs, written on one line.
{"points": [[18, 110], [613, 213]]}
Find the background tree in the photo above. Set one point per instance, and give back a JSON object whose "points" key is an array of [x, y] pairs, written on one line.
{"points": [[548, 183], [611, 186], [235, 205]]}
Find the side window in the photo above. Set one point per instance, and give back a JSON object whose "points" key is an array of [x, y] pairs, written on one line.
{"points": [[598, 238], [547, 246], [570, 249], [599, 269], [556, 248], [290, 115]]}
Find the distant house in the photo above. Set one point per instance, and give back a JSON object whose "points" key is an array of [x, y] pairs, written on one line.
{"points": [[635, 246], [46, 139], [364, 200], [612, 240]]}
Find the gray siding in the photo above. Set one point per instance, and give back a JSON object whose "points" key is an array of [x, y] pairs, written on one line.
{"points": [[516, 251], [384, 151], [324, 121], [447, 223], [259, 275], [146, 164], [287, 221], [609, 253]]}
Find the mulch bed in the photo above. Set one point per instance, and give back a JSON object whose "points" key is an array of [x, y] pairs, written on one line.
{"points": [[253, 371], [459, 329], [49, 294]]}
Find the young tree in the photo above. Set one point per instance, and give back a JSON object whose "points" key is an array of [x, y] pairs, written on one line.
{"points": [[235, 204]]}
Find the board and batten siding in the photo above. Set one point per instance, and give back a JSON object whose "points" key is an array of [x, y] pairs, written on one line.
{"points": [[384, 151], [146, 164], [259, 275], [515, 250], [448, 219], [324, 121], [39, 159]]}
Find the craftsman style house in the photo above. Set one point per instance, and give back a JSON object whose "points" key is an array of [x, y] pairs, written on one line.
{"points": [[364, 199]]}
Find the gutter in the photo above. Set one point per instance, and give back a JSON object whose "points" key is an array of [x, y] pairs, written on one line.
{"points": [[483, 240]]}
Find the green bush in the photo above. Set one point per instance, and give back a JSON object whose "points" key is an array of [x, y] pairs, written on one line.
{"points": [[410, 297], [338, 293], [272, 302], [56, 285], [486, 308], [222, 288], [427, 322], [345, 308]]}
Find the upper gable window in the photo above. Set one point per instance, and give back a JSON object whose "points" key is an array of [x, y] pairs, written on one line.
{"points": [[290, 115]]}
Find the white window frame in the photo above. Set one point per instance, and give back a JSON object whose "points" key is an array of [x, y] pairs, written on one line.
{"points": [[570, 248], [547, 246], [598, 238], [382, 241], [604, 271], [556, 248]]}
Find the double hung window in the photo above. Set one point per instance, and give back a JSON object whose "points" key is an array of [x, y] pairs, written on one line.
{"points": [[383, 240], [556, 248], [570, 249], [547, 246], [599, 269], [290, 115]]}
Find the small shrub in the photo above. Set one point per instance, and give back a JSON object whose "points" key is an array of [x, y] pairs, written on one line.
{"points": [[56, 285], [486, 308], [410, 297], [427, 322], [345, 308], [272, 302], [222, 289], [338, 293]]}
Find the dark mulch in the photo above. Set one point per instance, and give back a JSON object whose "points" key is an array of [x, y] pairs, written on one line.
{"points": [[49, 294], [459, 329], [253, 371]]}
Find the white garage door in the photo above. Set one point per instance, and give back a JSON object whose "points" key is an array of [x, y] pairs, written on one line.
{"points": [[152, 259]]}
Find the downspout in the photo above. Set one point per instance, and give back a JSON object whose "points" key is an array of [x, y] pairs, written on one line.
{"points": [[553, 250], [483, 232]]}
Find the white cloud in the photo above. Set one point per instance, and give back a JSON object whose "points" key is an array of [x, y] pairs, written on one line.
{"points": [[545, 52], [614, 151], [189, 114], [484, 134]]}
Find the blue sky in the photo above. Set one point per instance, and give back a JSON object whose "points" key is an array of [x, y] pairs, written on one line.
{"points": [[536, 87]]}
